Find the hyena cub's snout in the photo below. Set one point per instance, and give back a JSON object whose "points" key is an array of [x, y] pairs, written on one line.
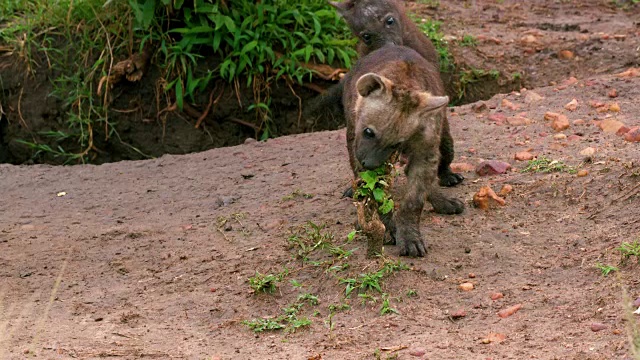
{"points": [[371, 154]]}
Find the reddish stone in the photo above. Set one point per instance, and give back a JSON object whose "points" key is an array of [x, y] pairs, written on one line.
{"points": [[492, 167]]}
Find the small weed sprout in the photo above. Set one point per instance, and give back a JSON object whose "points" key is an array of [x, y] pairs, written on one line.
{"points": [[628, 250], [412, 293], [605, 270], [546, 165], [469, 40], [266, 283], [386, 307]]}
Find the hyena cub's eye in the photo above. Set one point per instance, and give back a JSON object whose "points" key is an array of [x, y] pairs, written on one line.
{"points": [[368, 133], [390, 21], [366, 38]]}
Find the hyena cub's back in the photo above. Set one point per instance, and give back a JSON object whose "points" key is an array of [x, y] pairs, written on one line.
{"points": [[377, 23], [394, 101]]}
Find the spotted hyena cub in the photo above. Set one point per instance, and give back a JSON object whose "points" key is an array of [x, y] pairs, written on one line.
{"points": [[377, 23], [394, 101]]}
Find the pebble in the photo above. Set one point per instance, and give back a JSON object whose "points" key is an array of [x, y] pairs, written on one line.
{"points": [[566, 54], [633, 135], [561, 123], [578, 122], [250, 141], [492, 167], [588, 151], [523, 156], [509, 105], [610, 125], [506, 190], [613, 93], [583, 173], [459, 314], [462, 167], [518, 121], [559, 136], [615, 107], [417, 352], [637, 302], [465, 286], [597, 326], [497, 117], [572, 105], [504, 313], [497, 296], [531, 97]]}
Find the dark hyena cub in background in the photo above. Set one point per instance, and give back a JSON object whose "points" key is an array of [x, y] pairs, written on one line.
{"points": [[394, 100], [377, 23]]}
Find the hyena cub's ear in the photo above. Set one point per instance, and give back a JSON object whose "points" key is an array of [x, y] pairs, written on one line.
{"points": [[342, 7], [430, 102], [373, 85]]}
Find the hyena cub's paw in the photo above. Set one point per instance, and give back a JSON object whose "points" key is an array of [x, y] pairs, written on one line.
{"points": [[410, 243], [447, 206], [449, 178]]}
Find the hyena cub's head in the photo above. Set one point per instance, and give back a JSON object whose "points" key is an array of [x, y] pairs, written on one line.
{"points": [[375, 22], [387, 117]]}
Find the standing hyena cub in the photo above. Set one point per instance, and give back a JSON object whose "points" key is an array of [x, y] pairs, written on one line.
{"points": [[378, 23], [394, 101]]}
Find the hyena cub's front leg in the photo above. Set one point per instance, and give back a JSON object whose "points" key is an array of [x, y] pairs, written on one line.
{"points": [[421, 180]]}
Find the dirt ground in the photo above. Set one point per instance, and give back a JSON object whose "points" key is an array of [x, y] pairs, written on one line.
{"points": [[152, 258]]}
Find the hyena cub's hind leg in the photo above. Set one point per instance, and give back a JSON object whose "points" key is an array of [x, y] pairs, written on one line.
{"points": [[445, 174]]}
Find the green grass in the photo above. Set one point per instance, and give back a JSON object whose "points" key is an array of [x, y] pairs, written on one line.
{"points": [[628, 250], [605, 270], [374, 184], [546, 165], [431, 28], [78, 42], [266, 283], [469, 40]]}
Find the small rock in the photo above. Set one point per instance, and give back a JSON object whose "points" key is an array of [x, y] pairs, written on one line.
{"points": [[465, 286], [518, 121], [496, 337], [561, 123], [597, 326], [528, 39], [492, 167], [623, 130], [588, 151], [472, 276], [506, 190], [496, 296], [550, 116], [417, 352], [459, 314], [509, 105], [572, 105], [497, 117], [615, 107], [523, 156], [531, 97], [583, 173], [559, 136], [574, 137], [610, 125], [578, 122], [613, 93], [462, 167], [250, 141], [633, 135], [509, 311], [570, 81], [566, 54], [479, 106], [637, 302]]}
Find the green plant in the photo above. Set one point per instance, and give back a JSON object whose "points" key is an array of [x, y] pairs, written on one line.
{"points": [[469, 40], [266, 283], [628, 250], [606, 269], [412, 293], [374, 184], [312, 299], [546, 165], [386, 306], [260, 325], [431, 28]]}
